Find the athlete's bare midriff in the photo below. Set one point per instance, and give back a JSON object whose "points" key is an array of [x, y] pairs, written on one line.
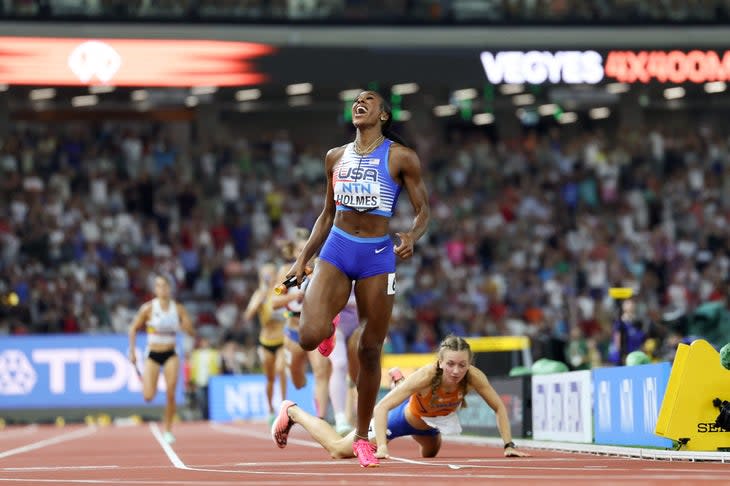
{"points": [[362, 224]]}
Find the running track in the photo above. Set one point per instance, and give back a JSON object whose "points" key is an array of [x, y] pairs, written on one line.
{"points": [[244, 454]]}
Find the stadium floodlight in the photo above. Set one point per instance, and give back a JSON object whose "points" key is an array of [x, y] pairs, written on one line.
{"points": [[445, 110], [404, 88], [617, 88], [568, 117], [3, 87], [715, 87], [139, 95], [191, 101], [599, 113], [548, 109], [203, 90], [511, 89], [674, 93], [350, 94], [465, 94], [101, 89], [42, 94], [483, 119], [84, 100], [299, 89], [523, 99], [248, 94]]}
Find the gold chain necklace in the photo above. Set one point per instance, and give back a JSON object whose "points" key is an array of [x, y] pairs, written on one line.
{"points": [[369, 148]]}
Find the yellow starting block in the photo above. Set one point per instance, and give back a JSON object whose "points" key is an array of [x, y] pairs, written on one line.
{"points": [[687, 414]]}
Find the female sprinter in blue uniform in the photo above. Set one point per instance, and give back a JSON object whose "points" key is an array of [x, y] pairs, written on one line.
{"points": [[422, 406], [364, 179], [164, 318]]}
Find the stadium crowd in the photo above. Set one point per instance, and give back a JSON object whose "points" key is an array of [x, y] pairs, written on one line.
{"points": [[527, 234], [457, 11]]}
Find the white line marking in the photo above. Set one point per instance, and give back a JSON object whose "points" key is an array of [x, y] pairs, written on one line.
{"points": [[174, 459], [55, 468], [47, 442]]}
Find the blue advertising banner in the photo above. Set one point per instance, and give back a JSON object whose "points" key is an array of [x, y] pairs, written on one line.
{"points": [[65, 371], [627, 402], [243, 397]]}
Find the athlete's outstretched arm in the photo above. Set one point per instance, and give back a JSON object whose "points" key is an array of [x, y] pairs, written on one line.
{"points": [[257, 299], [410, 171], [479, 382], [412, 384], [323, 224]]}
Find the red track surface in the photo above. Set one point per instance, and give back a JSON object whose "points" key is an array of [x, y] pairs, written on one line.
{"points": [[243, 454]]}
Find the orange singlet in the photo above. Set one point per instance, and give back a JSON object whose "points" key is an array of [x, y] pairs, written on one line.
{"points": [[444, 403]]}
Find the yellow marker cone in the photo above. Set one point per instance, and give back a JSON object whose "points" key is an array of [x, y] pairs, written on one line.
{"points": [[60, 421], [89, 420], [103, 420], [2, 423]]}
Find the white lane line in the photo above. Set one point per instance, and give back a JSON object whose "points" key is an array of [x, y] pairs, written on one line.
{"points": [[47, 442], [55, 468], [171, 454]]}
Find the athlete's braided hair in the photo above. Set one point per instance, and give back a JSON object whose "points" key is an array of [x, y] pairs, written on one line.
{"points": [[451, 343]]}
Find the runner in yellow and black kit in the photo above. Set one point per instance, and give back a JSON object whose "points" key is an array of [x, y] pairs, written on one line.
{"points": [[271, 335]]}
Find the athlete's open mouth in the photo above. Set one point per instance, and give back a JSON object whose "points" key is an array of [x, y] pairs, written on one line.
{"points": [[361, 110]]}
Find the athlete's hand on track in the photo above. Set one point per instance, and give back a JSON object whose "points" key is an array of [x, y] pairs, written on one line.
{"points": [[404, 249], [382, 452], [513, 452]]}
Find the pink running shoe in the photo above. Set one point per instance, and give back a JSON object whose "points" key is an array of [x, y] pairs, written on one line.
{"points": [[282, 424], [365, 451], [326, 347]]}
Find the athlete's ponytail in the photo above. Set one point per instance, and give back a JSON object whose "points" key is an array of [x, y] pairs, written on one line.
{"points": [[386, 126]]}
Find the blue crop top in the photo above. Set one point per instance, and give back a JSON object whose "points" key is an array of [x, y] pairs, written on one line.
{"points": [[363, 183]]}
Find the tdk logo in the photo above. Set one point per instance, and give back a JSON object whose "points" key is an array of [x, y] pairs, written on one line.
{"points": [[17, 376]]}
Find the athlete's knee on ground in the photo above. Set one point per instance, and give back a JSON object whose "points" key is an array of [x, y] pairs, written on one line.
{"points": [[429, 451]]}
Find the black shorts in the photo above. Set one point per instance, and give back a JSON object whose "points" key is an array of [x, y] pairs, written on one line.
{"points": [[161, 357], [272, 348]]}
